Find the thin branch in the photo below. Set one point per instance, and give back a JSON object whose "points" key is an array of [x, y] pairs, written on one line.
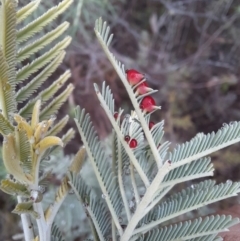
{"points": [[147, 198], [27, 225], [120, 181], [121, 138], [135, 189]]}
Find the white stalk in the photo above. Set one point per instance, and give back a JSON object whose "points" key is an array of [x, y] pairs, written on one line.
{"points": [[135, 189], [158, 199], [120, 182], [27, 225], [114, 235], [151, 191], [54, 210], [121, 138], [44, 233], [116, 64]]}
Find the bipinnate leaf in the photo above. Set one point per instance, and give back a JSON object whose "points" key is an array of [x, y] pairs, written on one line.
{"points": [[14, 188], [43, 60], [107, 102], [26, 91], [94, 207], [27, 10], [38, 24], [42, 42], [99, 162], [25, 208], [5, 126], [102, 32]]}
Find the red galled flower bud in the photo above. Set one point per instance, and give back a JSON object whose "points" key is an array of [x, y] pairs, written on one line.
{"points": [[151, 124], [148, 104], [115, 115], [127, 138], [133, 76], [133, 143], [143, 89]]}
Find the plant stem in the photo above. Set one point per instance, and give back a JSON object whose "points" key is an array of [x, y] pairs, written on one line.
{"points": [[114, 238], [158, 199], [120, 181], [27, 225], [120, 71], [140, 211], [114, 158], [44, 234], [135, 190], [121, 138]]}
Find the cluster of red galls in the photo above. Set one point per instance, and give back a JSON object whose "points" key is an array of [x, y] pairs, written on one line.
{"points": [[138, 79], [147, 104]]}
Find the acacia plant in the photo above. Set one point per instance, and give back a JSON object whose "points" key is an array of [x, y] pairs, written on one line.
{"points": [[29, 132], [134, 181]]}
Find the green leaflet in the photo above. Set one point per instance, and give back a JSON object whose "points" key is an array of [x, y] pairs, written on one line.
{"points": [[43, 60], [5, 126], [96, 209], [191, 229], [27, 10], [203, 145], [56, 234], [58, 127], [7, 100], [14, 188], [8, 37], [45, 95], [98, 158], [38, 24], [25, 208], [56, 103], [189, 199], [26, 91], [40, 43]]}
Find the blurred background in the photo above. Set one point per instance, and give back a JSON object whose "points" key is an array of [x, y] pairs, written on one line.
{"points": [[189, 51]]}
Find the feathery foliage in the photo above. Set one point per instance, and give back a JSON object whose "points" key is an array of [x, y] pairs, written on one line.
{"points": [[94, 207], [149, 170], [134, 181]]}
